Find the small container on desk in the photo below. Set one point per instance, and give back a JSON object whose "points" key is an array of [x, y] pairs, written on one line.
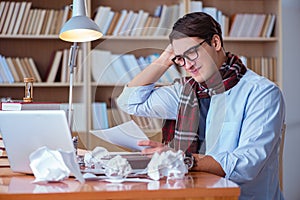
{"points": [[28, 89]]}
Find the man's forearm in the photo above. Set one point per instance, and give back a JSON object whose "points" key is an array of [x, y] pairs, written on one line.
{"points": [[207, 164], [154, 71]]}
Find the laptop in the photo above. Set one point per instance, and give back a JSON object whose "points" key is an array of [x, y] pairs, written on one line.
{"points": [[25, 131]]}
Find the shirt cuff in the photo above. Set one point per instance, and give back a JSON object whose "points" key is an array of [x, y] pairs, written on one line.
{"points": [[227, 164]]}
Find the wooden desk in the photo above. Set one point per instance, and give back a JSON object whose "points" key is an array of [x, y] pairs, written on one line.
{"points": [[196, 185]]}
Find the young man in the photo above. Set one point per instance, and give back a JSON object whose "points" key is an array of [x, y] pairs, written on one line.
{"points": [[226, 115]]}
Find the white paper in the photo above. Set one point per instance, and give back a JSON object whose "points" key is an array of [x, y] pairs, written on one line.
{"points": [[126, 135], [53, 165]]}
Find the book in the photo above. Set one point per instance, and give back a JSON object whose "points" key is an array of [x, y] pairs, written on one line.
{"points": [[40, 21], [14, 18], [49, 22], [100, 118], [6, 69], [264, 28], [122, 76], [174, 15], [196, 6], [126, 22], [13, 69], [29, 68], [23, 67], [270, 26], [45, 22], [131, 65], [24, 18], [212, 11], [19, 17], [100, 64], [137, 22], [64, 66], [147, 26], [33, 66], [140, 25], [4, 78], [65, 15], [15, 64], [54, 66], [130, 24], [28, 22], [2, 6], [244, 28], [113, 23], [163, 20], [8, 17], [30, 106], [236, 21], [107, 22], [5, 6], [58, 22], [123, 14], [259, 23], [53, 22], [101, 16], [35, 20]]}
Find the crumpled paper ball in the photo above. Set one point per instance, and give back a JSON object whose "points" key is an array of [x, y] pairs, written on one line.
{"points": [[52, 165], [168, 163], [117, 167], [94, 157]]}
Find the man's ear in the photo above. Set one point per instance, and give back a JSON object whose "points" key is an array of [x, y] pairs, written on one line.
{"points": [[216, 42]]}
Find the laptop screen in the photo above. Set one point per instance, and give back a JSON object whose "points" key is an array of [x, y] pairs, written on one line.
{"points": [[25, 131]]}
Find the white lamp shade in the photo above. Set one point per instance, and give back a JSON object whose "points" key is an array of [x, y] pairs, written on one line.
{"points": [[79, 28]]}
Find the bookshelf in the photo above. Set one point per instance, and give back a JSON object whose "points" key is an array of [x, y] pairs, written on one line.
{"points": [[40, 48]]}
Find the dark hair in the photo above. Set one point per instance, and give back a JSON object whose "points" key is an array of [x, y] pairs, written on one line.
{"points": [[197, 24]]}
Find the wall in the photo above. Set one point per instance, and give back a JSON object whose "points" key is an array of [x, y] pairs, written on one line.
{"points": [[291, 90]]}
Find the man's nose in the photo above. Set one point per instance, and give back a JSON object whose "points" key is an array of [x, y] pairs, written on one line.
{"points": [[188, 64]]}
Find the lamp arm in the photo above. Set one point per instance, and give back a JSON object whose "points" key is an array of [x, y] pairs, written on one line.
{"points": [[72, 64]]}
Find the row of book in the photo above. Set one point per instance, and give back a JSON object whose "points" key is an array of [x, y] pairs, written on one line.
{"points": [[21, 18], [252, 25], [109, 68], [142, 23], [265, 66], [16, 69]]}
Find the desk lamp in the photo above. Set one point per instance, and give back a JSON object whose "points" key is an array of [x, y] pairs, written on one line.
{"points": [[79, 28]]}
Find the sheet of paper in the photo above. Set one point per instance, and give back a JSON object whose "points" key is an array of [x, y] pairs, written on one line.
{"points": [[126, 135]]}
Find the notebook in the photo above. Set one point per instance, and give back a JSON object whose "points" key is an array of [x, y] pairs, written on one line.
{"points": [[25, 131]]}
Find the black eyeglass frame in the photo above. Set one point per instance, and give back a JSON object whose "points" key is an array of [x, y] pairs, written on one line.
{"points": [[195, 48]]}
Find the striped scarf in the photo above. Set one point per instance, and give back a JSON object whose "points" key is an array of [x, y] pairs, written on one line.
{"points": [[183, 133]]}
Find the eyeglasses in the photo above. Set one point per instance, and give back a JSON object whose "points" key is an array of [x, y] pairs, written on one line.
{"points": [[191, 54]]}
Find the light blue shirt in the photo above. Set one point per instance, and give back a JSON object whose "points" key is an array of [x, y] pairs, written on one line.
{"points": [[243, 129]]}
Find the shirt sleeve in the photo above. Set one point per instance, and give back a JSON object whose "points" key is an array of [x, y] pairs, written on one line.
{"points": [[150, 101]]}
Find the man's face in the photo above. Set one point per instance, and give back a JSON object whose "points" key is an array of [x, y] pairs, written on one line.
{"points": [[196, 56]]}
